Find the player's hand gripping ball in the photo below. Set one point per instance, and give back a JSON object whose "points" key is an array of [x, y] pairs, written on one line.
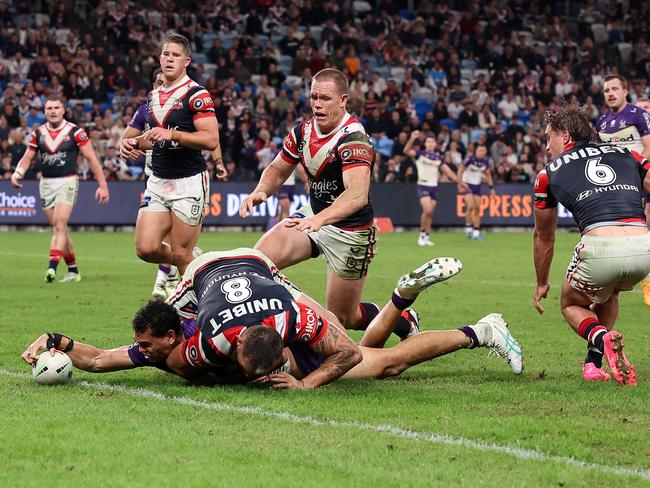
{"points": [[52, 370]]}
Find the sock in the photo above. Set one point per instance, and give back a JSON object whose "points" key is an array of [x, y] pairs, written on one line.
{"points": [[469, 332], [468, 229], [401, 303], [55, 257], [173, 270], [164, 268], [594, 356], [403, 326], [368, 313], [71, 261], [476, 232], [161, 276], [593, 331]]}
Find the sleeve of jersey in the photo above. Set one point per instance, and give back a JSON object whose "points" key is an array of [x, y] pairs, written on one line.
{"points": [[355, 150], [139, 118], [33, 142], [137, 357], [643, 123], [310, 327], [644, 165], [543, 196], [201, 105], [289, 152], [80, 137], [192, 351]]}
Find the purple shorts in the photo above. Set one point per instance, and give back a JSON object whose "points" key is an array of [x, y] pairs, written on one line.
{"points": [[286, 191], [306, 359], [428, 191], [646, 197], [474, 189]]}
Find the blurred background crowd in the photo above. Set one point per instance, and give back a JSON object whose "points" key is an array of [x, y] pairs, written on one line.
{"points": [[468, 72]]}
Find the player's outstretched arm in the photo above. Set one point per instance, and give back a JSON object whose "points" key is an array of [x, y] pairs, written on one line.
{"points": [[272, 178], [88, 152], [84, 356]]}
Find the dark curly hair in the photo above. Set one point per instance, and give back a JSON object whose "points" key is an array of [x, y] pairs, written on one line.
{"points": [[572, 119], [157, 318]]}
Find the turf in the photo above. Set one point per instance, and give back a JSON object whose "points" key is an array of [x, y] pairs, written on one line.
{"points": [[146, 428]]}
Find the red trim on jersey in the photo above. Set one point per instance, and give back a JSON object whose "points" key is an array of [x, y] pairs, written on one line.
{"points": [[203, 115], [354, 165], [162, 100], [289, 161], [228, 258], [361, 227], [632, 219], [570, 145]]}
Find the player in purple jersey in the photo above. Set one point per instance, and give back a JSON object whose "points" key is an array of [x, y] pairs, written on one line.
{"points": [[59, 143], [337, 155], [627, 125], [474, 169], [183, 123], [600, 184], [429, 162]]}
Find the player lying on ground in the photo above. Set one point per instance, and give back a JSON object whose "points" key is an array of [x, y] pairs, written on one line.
{"points": [[159, 332]]}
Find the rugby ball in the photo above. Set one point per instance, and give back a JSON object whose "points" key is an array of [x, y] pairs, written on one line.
{"points": [[52, 370]]}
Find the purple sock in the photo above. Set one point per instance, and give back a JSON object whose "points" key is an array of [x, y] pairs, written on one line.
{"points": [[401, 303], [164, 268], [469, 332]]}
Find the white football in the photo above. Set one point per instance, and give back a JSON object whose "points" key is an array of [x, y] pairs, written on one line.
{"points": [[52, 370]]}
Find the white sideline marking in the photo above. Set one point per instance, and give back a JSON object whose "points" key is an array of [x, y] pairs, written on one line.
{"points": [[517, 452]]}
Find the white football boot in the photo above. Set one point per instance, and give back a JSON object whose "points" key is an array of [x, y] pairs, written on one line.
{"points": [[492, 331], [430, 273]]}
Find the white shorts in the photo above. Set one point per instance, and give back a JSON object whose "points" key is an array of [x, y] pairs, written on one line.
{"points": [[602, 265], [59, 190], [186, 197], [347, 252]]}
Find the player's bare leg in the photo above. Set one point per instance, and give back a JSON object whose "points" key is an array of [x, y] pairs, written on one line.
{"points": [[150, 229], [343, 298], [183, 238], [469, 213], [285, 206], [577, 311], [285, 246], [428, 205], [58, 218]]}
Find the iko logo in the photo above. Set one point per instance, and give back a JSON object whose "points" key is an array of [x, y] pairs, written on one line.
{"points": [[583, 195]]}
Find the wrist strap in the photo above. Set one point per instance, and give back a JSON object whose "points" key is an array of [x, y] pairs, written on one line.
{"points": [[54, 341]]}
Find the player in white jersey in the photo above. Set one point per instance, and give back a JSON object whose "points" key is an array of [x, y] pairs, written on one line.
{"points": [[629, 126], [429, 162]]}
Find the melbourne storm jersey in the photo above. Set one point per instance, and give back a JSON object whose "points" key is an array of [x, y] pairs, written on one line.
{"points": [[625, 128], [326, 157], [599, 183], [139, 359], [177, 107], [59, 148], [475, 168], [140, 122], [428, 165], [233, 293]]}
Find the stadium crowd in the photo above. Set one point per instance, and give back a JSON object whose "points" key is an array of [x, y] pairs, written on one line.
{"points": [[467, 72]]}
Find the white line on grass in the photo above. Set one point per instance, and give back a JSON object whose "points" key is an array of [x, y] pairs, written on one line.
{"points": [[517, 452]]}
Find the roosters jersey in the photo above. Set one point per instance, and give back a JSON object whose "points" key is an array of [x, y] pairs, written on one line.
{"points": [[428, 165], [229, 294], [58, 148], [599, 183], [325, 159], [177, 107], [625, 128], [475, 168]]}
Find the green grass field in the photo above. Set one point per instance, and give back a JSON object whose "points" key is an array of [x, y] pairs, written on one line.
{"points": [[460, 420]]}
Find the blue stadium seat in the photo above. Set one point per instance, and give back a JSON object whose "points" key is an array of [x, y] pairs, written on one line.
{"points": [[104, 106], [383, 72], [384, 146], [475, 134], [199, 58], [422, 107], [407, 14], [451, 123], [523, 115]]}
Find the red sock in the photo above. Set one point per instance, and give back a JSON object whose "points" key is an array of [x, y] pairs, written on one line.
{"points": [[55, 257]]}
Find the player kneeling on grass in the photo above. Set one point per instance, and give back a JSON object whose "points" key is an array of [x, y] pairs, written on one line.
{"points": [[321, 353], [600, 185]]}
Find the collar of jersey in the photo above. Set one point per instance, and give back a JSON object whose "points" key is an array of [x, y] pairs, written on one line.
{"points": [[346, 117], [185, 79], [62, 126]]}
